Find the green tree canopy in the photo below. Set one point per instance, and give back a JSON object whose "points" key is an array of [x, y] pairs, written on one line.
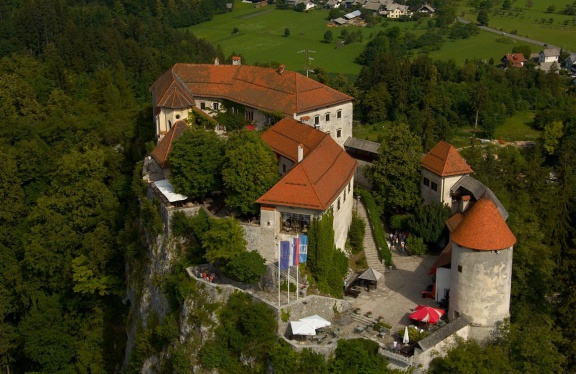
{"points": [[249, 171], [223, 241], [396, 173], [247, 267], [195, 163]]}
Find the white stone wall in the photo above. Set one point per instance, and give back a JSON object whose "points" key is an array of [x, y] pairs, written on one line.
{"points": [[480, 285], [343, 216], [344, 124], [442, 282], [168, 117], [442, 193]]}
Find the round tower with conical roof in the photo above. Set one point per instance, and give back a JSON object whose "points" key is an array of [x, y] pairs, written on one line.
{"points": [[481, 269]]}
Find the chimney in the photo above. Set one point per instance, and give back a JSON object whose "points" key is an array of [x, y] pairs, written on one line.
{"points": [[281, 69], [300, 152], [216, 61], [463, 203], [236, 60]]}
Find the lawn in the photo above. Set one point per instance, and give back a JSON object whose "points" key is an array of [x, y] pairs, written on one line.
{"points": [[518, 127], [534, 22], [482, 46]]}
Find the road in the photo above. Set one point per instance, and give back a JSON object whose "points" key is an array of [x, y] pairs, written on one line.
{"points": [[512, 36]]}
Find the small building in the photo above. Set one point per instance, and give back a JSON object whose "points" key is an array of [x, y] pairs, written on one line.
{"points": [[570, 62], [352, 15], [426, 9], [515, 60], [549, 55], [396, 10]]}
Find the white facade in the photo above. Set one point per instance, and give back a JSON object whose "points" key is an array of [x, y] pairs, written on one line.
{"points": [[335, 120], [167, 118], [549, 55], [480, 285], [434, 188], [442, 283]]}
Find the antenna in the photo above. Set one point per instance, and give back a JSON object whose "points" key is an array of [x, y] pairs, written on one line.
{"points": [[308, 59]]}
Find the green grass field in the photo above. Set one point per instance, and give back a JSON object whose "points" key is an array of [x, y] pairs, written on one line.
{"points": [[528, 22], [518, 127]]}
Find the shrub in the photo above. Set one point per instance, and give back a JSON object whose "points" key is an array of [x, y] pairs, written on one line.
{"points": [[356, 234], [247, 267], [377, 228], [414, 334], [400, 222]]}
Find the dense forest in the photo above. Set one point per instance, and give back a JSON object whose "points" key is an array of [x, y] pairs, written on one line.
{"points": [[75, 118]]}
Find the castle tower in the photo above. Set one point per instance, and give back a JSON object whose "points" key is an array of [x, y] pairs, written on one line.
{"points": [[442, 167], [481, 269]]}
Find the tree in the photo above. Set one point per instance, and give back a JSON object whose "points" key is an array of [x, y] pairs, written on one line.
{"points": [[247, 267], [328, 36], [286, 32], [395, 175], [223, 241], [249, 171], [482, 17], [524, 49], [195, 162], [428, 221], [358, 356]]}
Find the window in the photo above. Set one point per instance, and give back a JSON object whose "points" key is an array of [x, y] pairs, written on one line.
{"points": [[344, 194], [339, 133], [215, 106], [327, 117], [349, 184], [234, 110], [283, 168], [169, 125], [202, 106], [456, 314], [316, 121], [249, 114], [338, 206], [339, 114], [177, 116], [459, 268], [434, 186], [426, 182]]}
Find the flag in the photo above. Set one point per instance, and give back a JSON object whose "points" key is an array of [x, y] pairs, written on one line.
{"points": [[296, 249], [303, 250], [285, 254]]}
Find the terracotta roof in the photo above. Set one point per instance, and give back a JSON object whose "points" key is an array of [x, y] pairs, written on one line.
{"points": [[261, 88], [318, 179], [160, 153], [454, 221], [444, 160], [516, 59], [285, 136], [483, 228], [204, 115]]}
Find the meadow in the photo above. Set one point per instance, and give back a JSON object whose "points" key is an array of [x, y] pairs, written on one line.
{"points": [[533, 22]]}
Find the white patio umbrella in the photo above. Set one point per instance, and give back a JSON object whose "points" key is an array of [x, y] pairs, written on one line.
{"points": [[406, 339], [316, 321], [302, 328]]}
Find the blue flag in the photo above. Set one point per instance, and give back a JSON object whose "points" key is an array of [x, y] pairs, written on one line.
{"points": [[303, 248], [284, 254]]}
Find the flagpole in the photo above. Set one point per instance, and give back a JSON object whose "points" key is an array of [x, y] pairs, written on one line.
{"points": [[297, 280]]}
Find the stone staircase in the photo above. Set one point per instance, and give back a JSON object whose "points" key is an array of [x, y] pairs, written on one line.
{"points": [[370, 250], [363, 321]]}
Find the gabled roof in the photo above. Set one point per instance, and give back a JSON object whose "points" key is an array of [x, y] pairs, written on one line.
{"points": [[444, 160], [160, 153], [516, 59], [362, 144], [478, 189], [483, 228], [284, 138], [265, 89], [551, 52], [318, 179]]}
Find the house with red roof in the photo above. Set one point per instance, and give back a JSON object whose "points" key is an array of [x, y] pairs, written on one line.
{"points": [[442, 167], [317, 174], [515, 60], [259, 93]]}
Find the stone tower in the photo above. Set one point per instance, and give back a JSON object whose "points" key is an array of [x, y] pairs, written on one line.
{"points": [[481, 269]]}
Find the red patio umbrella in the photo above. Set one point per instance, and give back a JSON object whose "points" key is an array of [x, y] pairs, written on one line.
{"points": [[425, 313]]}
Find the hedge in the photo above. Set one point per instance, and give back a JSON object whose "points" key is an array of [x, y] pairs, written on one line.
{"points": [[374, 213]]}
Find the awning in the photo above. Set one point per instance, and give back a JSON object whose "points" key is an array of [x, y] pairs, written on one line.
{"points": [[302, 328], [371, 275], [166, 188]]}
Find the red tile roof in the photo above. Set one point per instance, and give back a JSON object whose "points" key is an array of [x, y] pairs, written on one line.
{"points": [[483, 228], [515, 59], [261, 88], [454, 221], [160, 153], [318, 179], [285, 136], [444, 160]]}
